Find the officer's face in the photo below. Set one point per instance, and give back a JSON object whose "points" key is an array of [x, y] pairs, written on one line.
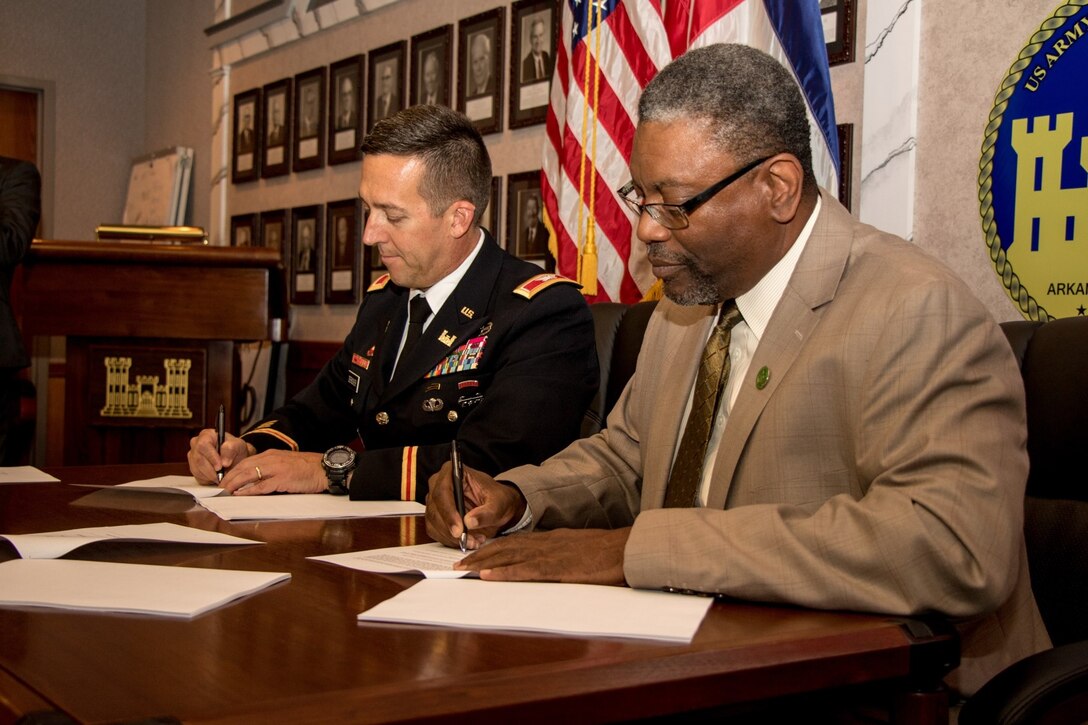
{"points": [[416, 247]]}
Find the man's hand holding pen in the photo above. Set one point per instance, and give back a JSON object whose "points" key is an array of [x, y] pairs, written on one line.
{"points": [[207, 457], [490, 507], [588, 556]]}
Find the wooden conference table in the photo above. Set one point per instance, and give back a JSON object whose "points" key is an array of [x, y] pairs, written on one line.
{"points": [[295, 652]]}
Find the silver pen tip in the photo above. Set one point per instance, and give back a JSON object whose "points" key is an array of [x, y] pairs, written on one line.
{"points": [[464, 542]]}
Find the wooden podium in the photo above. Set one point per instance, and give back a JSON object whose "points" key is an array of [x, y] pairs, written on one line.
{"points": [[151, 338]]}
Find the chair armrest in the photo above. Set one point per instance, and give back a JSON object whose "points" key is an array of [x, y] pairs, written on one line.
{"points": [[1048, 687]]}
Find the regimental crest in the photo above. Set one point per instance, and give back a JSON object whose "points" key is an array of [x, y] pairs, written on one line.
{"points": [[147, 396], [1033, 180]]}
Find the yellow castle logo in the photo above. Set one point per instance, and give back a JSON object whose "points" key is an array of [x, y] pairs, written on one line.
{"points": [[147, 398], [1050, 232]]}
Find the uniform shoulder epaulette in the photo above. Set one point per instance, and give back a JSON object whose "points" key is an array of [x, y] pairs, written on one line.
{"points": [[537, 284], [379, 283]]}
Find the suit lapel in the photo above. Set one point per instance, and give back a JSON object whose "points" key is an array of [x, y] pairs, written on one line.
{"points": [[813, 284]]}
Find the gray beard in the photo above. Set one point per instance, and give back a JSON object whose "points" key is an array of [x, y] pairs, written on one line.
{"points": [[700, 291]]}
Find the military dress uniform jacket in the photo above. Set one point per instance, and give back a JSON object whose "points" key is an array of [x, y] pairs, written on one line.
{"points": [[875, 458], [507, 367]]}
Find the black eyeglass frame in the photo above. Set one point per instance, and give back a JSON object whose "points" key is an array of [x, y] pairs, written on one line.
{"points": [[655, 209]]}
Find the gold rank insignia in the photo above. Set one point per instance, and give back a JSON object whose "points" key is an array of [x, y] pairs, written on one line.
{"points": [[537, 284], [379, 283]]}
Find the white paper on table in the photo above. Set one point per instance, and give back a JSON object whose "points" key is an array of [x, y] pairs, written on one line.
{"points": [[175, 591], [51, 544], [579, 609], [24, 474], [305, 506], [433, 560], [166, 484]]}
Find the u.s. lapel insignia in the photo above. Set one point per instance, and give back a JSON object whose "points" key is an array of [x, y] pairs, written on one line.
{"points": [[468, 312], [446, 338], [433, 405], [485, 329]]}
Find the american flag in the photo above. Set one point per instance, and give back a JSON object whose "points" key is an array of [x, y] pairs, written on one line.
{"points": [[608, 51]]}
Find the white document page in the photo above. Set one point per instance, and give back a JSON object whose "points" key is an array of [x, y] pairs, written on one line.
{"points": [[304, 506], [580, 609], [24, 474], [52, 544], [166, 484], [433, 560], [174, 591]]}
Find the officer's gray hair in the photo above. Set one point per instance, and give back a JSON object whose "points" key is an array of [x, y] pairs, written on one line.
{"points": [[750, 101]]}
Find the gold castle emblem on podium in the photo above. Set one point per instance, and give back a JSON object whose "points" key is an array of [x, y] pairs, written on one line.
{"points": [[147, 398]]}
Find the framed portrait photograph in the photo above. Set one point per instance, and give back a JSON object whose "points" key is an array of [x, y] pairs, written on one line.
{"points": [[345, 110], [431, 77], [846, 163], [245, 152], [277, 129], [309, 126], [479, 69], [385, 88], [274, 232], [839, 21], [526, 235], [306, 251], [342, 256], [532, 56], [490, 219], [244, 231]]}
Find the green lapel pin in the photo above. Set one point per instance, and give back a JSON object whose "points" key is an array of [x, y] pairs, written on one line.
{"points": [[763, 377]]}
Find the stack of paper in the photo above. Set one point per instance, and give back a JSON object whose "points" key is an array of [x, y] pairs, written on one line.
{"points": [[174, 591], [581, 609], [51, 544]]}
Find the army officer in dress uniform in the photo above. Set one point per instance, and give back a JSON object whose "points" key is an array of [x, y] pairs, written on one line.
{"points": [[500, 356]]}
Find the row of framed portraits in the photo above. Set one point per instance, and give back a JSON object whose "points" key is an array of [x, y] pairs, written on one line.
{"points": [[321, 115], [326, 261]]}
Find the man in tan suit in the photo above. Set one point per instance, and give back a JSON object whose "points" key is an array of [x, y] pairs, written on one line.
{"points": [[868, 452]]}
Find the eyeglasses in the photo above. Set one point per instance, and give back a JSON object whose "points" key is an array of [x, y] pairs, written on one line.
{"points": [[675, 216]]}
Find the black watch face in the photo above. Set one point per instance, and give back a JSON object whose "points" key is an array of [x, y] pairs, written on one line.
{"points": [[339, 457]]}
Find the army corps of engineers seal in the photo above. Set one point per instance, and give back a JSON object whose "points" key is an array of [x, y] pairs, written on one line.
{"points": [[1033, 175]]}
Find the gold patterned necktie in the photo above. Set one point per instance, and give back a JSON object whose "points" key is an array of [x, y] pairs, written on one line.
{"points": [[687, 469]]}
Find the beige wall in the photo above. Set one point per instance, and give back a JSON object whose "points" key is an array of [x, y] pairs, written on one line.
{"points": [[92, 56], [967, 49], [178, 85]]}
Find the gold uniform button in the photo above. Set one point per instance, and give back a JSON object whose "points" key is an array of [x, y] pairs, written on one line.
{"points": [[452, 416], [382, 418]]}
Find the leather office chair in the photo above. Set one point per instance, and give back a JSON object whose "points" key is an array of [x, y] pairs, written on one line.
{"points": [[1052, 686], [618, 329]]}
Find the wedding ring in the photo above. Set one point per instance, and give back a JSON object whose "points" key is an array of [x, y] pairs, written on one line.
{"points": [[258, 470]]}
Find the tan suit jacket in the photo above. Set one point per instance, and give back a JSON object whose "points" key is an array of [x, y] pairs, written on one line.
{"points": [[881, 469]]}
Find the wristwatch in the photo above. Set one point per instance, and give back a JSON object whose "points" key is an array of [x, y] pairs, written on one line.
{"points": [[338, 462]]}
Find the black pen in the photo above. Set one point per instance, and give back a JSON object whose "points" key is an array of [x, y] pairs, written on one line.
{"points": [[459, 491], [221, 432]]}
